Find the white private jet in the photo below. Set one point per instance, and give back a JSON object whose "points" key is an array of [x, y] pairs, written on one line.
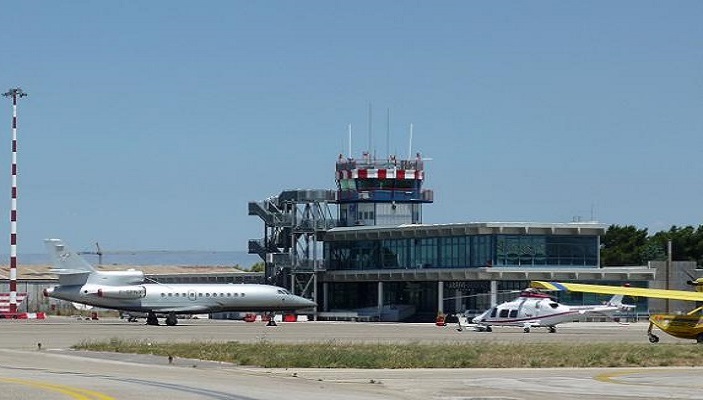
{"points": [[534, 309], [127, 291]]}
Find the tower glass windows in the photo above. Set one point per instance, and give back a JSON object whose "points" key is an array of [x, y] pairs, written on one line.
{"points": [[463, 251]]}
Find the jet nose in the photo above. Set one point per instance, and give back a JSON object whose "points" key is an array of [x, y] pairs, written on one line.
{"points": [[302, 302]]}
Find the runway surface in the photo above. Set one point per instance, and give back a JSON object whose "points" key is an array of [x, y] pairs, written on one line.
{"points": [[52, 371]]}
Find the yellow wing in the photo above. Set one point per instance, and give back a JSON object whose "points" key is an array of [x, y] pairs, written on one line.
{"points": [[626, 291]]}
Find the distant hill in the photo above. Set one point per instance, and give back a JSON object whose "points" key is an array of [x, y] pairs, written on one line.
{"points": [[180, 258]]}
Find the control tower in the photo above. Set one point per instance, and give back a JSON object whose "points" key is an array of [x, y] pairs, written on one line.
{"points": [[374, 191]]}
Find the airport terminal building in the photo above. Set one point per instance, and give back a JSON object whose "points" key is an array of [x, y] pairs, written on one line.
{"points": [[363, 252], [375, 258]]}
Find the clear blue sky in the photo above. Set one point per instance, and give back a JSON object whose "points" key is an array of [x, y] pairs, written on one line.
{"points": [[151, 125]]}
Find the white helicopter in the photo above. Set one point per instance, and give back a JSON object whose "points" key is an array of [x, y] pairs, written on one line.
{"points": [[533, 309]]}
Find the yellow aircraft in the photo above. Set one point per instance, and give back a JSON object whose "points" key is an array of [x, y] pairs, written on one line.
{"points": [[686, 326]]}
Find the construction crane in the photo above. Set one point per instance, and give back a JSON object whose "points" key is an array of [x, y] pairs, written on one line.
{"points": [[98, 252]]}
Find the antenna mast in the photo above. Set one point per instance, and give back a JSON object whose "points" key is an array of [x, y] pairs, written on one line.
{"points": [[370, 129], [410, 145], [388, 133], [14, 93]]}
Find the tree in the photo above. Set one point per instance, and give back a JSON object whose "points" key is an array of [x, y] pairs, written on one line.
{"points": [[258, 267], [623, 245], [686, 243]]}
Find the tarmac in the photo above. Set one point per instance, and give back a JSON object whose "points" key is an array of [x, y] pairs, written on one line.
{"points": [[36, 362]]}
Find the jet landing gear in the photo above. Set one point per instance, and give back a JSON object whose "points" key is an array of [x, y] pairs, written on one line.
{"points": [[652, 337], [271, 321], [151, 319], [171, 319], [552, 329]]}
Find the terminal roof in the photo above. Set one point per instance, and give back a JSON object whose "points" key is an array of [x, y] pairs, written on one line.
{"points": [[469, 228]]}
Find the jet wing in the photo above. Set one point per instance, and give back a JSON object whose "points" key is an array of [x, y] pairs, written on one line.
{"points": [[625, 291]]}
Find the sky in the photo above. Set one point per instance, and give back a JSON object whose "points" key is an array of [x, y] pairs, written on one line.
{"points": [[151, 125]]}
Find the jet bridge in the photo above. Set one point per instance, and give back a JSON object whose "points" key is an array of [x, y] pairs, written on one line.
{"points": [[295, 222]]}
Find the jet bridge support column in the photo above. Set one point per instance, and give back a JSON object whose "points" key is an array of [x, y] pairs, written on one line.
{"points": [[380, 299], [325, 296], [458, 300], [440, 297], [494, 293]]}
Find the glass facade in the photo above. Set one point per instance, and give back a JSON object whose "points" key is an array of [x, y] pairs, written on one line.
{"points": [[460, 296], [467, 251]]}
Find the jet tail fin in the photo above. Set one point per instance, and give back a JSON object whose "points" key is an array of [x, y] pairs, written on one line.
{"points": [[71, 268], [616, 301]]}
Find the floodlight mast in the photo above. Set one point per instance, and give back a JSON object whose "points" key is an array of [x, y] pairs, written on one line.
{"points": [[14, 94]]}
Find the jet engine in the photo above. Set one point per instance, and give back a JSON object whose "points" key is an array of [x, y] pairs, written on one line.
{"points": [[122, 292]]}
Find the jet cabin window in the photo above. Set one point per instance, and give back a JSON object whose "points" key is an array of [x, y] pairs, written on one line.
{"points": [[503, 313], [513, 313]]}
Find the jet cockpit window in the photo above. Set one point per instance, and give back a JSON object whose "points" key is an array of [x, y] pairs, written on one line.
{"points": [[494, 310], [503, 313], [553, 305]]}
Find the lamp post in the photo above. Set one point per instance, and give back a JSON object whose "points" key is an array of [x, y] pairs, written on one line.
{"points": [[14, 94]]}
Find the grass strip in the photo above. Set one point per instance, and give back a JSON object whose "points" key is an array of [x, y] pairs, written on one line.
{"points": [[447, 355]]}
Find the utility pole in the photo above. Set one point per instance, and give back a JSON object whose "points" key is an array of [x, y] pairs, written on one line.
{"points": [[669, 260], [14, 94]]}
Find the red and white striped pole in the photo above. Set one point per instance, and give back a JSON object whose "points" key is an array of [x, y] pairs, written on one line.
{"points": [[14, 93]]}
